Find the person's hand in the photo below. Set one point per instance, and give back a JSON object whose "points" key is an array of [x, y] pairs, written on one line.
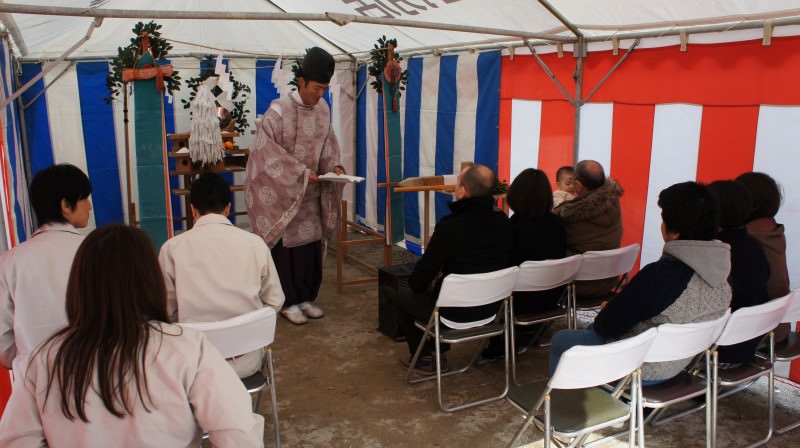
{"points": [[313, 178], [338, 169]]}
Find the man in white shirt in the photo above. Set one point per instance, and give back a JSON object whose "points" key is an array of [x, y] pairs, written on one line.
{"points": [[215, 270], [33, 275]]}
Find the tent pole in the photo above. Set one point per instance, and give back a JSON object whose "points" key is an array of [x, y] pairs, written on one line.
{"points": [[51, 65], [613, 69], [131, 206], [557, 14], [580, 48], [550, 74], [23, 131], [339, 19], [11, 25]]}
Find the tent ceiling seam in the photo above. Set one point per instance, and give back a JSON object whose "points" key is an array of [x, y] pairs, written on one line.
{"points": [[344, 52]]}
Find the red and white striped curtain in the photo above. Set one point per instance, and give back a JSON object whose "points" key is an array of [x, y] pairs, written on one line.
{"points": [[665, 116]]}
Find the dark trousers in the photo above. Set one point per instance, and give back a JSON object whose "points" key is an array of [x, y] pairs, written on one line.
{"points": [[412, 306], [300, 271]]}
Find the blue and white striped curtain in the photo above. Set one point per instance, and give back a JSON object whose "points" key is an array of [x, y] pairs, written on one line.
{"points": [[67, 120], [449, 114], [16, 217]]}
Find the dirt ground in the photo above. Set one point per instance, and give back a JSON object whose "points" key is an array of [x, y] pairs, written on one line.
{"points": [[340, 384]]}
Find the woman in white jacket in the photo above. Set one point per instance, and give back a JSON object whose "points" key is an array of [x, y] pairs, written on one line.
{"points": [[120, 374]]}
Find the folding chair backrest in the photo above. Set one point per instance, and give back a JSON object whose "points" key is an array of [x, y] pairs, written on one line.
{"points": [[587, 366], [465, 290], [681, 341], [752, 321], [241, 334], [793, 310], [600, 264], [547, 274]]}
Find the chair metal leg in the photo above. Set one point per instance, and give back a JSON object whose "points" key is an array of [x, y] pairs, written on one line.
{"points": [[770, 394], [439, 374], [572, 312], [521, 430], [547, 424], [639, 410], [713, 378], [511, 328], [413, 361], [709, 416], [274, 397]]}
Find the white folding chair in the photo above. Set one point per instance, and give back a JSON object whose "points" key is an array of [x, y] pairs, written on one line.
{"points": [[241, 335], [579, 407], [462, 290], [540, 276], [745, 324], [677, 342], [600, 265], [789, 349]]}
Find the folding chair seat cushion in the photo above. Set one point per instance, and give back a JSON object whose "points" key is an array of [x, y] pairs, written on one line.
{"points": [[255, 382], [682, 387], [526, 318], [449, 335], [788, 349], [744, 373], [573, 411]]}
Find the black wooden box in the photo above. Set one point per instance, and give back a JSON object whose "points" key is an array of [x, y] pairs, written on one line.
{"points": [[388, 283]]}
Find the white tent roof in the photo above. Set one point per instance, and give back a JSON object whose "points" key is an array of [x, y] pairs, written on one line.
{"points": [[340, 25]]}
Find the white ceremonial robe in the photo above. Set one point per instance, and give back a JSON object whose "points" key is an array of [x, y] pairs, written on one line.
{"points": [[33, 286], [190, 387]]}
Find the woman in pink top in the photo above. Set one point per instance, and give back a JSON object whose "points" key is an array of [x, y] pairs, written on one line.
{"points": [[120, 374]]}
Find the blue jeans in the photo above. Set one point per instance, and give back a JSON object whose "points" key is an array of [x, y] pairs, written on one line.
{"points": [[566, 339]]}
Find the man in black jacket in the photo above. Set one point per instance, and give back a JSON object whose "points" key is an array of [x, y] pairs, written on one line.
{"points": [[474, 238]]}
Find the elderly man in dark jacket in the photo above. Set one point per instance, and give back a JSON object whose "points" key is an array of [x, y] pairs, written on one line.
{"points": [[593, 220], [475, 238]]}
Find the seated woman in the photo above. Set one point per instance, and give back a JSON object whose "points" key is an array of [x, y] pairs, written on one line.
{"points": [[538, 235], [687, 284], [749, 266], [761, 225], [119, 371]]}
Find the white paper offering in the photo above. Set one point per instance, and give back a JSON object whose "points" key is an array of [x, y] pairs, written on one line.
{"points": [[333, 177]]}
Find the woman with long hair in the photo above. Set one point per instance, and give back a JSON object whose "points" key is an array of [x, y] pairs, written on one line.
{"points": [[538, 235], [119, 374]]}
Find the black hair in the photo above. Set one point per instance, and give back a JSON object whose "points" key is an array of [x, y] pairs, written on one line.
{"points": [[690, 210], [210, 194], [530, 195], [478, 179], [735, 203], [114, 293], [564, 170], [590, 173], [51, 185], [766, 194]]}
